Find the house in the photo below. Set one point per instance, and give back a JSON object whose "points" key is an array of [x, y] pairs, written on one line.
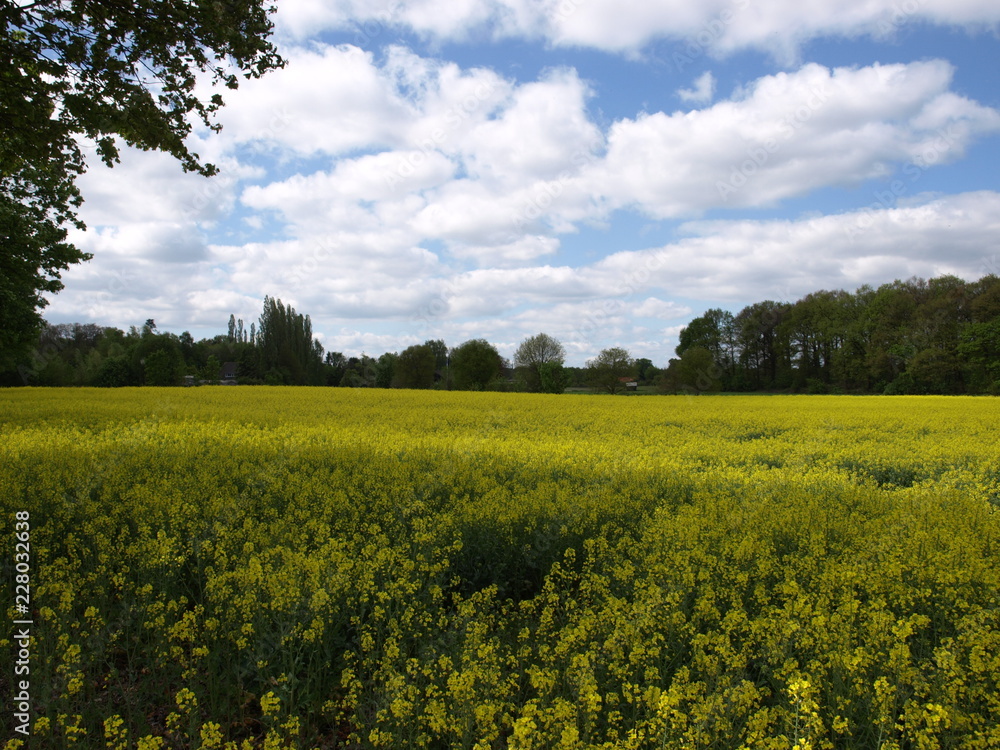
{"points": [[227, 375]]}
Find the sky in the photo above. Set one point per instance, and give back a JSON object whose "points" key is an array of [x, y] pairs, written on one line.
{"points": [[598, 170]]}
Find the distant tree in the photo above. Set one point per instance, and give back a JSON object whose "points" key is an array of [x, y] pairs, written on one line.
{"points": [[764, 355], [607, 371], [212, 369], [668, 379], [351, 379], [334, 364], [553, 377], [979, 347], [163, 367], [698, 372], [532, 353], [385, 369], [440, 350], [115, 372], [474, 364], [641, 366], [415, 367], [286, 345]]}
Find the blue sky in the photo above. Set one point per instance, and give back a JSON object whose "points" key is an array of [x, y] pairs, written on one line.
{"points": [[597, 171]]}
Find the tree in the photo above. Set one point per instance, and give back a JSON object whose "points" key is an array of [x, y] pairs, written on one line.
{"points": [[532, 353], [212, 369], [553, 377], [764, 354], [385, 368], [163, 367], [287, 349], [714, 331], [335, 365], [609, 370], [115, 373], [81, 71], [698, 372], [440, 350], [415, 367], [475, 364]]}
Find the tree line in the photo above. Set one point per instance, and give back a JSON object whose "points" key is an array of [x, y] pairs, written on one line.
{"points": [[937, 336], [279, 349], [914, 336]]}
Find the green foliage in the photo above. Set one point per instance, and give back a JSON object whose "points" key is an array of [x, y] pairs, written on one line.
{"points": [[553, 377], [385, 370], [415, 367], [697, 371], [115, 372], [33, 253], [475, 364], [917, 336], [212, 368], [106, 72], [163, 367], [532, 353], [609, 369], [286, 345]]}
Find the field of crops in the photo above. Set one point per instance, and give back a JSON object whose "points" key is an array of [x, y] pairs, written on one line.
{"points": [[292, 567]]}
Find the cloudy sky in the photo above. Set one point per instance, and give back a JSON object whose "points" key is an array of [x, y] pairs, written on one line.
{"points": [[599, 170]]}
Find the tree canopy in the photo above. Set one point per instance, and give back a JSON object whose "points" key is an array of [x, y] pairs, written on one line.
{"points": [[475, 364], [532, 353], [75, 71], [609, 369]]}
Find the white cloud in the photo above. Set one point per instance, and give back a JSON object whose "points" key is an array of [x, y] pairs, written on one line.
{"points": [[652, 307], [521, 251], [755, 260], [328, 100], [714, 27], [537, 135], [703, 90], [788, 134]]}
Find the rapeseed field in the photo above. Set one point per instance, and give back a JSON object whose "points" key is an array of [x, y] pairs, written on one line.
{"points": [[331, 568]]}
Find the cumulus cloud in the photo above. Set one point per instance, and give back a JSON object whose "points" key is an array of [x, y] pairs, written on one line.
{"points": [[788, 134], [716, 27], [653, 307], [702, 91], [754, 260]]}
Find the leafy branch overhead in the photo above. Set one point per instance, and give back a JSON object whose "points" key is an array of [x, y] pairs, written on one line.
{"points": [[103, 71]]}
